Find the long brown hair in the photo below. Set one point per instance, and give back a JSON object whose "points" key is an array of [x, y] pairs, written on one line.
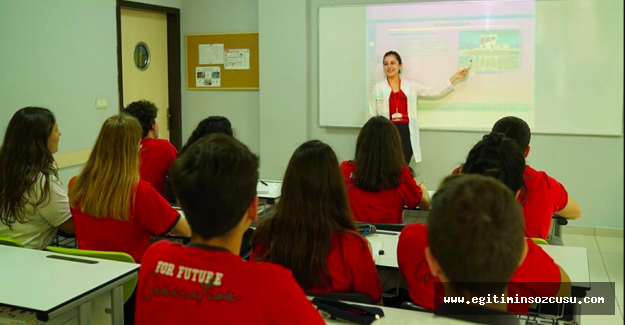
{"points": [[312, 207], [106, 186], [24, 161], [379, 157]]}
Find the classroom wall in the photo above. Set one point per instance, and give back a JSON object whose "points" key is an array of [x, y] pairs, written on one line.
{"points": [[50, 59], [591, 167], [241, 107]]}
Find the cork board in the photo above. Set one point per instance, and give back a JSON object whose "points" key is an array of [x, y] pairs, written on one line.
{"points": [[236, 69]]}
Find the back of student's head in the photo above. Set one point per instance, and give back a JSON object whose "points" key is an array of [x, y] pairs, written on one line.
{"points": [[210, 125], [379, 157], [24, 157], [475, 232], [110, 177], [515, 129], [145, 111], [215, 182], [499, 157], [313, 205]]}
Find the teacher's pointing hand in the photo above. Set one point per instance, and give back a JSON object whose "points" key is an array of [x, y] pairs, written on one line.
{"points": [[461, 74]]}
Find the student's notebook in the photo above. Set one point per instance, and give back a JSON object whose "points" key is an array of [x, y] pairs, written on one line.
{"points": [[271, 189]]}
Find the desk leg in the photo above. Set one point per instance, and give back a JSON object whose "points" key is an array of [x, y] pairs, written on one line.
{"points": [[117, 305], [84, 313]]}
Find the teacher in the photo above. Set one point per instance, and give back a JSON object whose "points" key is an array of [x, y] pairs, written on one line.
{"points": [[396, 99]]}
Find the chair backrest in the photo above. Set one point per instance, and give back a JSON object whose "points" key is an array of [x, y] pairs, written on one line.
{"points": [[246, 244], [345, 296], [129, 287], [540, 241], [10, 242]]}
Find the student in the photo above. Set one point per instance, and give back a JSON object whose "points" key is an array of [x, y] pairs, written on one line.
{"points": [[113, 209], [33, 204], [312, 232], [476, 242], [538, 275], [379, 183], [157, 155], [542, 196], [215, 182], [210, 125]]}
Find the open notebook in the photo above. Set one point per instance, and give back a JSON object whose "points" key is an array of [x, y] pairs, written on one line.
{"points": [[271, 190]]}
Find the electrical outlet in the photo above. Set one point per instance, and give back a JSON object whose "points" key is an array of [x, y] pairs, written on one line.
{"points": [[101, 104]]}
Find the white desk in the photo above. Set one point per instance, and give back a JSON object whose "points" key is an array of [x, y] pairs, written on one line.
{"points": [[269, 192], [574, 260], [50, 287]]}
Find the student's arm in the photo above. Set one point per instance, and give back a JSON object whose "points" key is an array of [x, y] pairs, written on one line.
{"points": [[360, 262], [409, 191], [570, 211], [426, 200], [289, 305], [565, 284], [182, 228], [68, 227]]}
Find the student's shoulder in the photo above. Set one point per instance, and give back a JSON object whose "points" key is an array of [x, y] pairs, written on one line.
{"points": [[535, 177], [160, 249], [537, 255], [348, 165], [414, 233]]}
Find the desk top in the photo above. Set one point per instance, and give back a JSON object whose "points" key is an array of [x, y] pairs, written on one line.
{"points": [[31, 280], [574, 260], [271, 190]]}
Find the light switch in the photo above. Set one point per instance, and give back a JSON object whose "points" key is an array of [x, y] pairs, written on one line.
{"points": [[101, 103]]}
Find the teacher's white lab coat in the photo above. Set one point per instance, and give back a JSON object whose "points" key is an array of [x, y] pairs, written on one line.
{"points": [[379, 105]]}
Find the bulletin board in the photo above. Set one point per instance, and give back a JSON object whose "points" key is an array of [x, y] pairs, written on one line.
{"points": [[222, 61]]}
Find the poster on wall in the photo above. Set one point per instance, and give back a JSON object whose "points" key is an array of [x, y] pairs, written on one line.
{"points": [[211, 53], [237, 59], [207, 77]]}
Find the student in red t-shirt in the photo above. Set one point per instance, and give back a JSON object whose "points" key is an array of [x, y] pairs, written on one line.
{"points": [[113, 209], [538, 275], [379, 183], [206, 281], [157, 155], [542, 196], [312, 232]]}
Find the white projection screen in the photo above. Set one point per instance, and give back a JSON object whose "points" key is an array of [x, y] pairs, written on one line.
{"points": [[558, 64]]}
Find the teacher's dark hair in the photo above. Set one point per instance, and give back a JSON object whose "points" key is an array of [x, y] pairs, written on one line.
{"points": [[26, 163], [379, 157], [393, 53], [313, 205]]}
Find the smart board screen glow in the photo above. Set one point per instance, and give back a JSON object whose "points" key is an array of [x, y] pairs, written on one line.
{"points": [[555, 63]]}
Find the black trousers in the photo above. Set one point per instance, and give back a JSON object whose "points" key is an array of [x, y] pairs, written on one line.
{"points": [[406, 145]]}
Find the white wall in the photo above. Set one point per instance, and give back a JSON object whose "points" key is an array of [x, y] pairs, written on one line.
{"points": [[590, 167], [50, 58], [240, 107]]}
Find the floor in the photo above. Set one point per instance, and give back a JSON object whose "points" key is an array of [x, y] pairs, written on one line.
{"points": [[605, 259]]}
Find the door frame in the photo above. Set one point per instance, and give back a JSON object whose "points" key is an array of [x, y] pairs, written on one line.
{"points": [[173, 64]]}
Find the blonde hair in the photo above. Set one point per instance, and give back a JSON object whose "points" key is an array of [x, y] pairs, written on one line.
{"points": [[107, 184]]}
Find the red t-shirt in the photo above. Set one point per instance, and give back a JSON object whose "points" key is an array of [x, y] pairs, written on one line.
{"points": [[350, 266], [152, 215], [401, 107], [157, 156], [537, 276], [385, 206], [544, 196], [199, 284]]}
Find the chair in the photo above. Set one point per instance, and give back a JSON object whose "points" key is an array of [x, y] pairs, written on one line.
{"points": [[129, 287], [246, 244], [10, 242], [357, 297], [555, 234], [540, 241]]}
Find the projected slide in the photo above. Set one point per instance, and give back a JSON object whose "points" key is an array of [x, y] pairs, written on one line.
{"points": [[437, 39]]}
